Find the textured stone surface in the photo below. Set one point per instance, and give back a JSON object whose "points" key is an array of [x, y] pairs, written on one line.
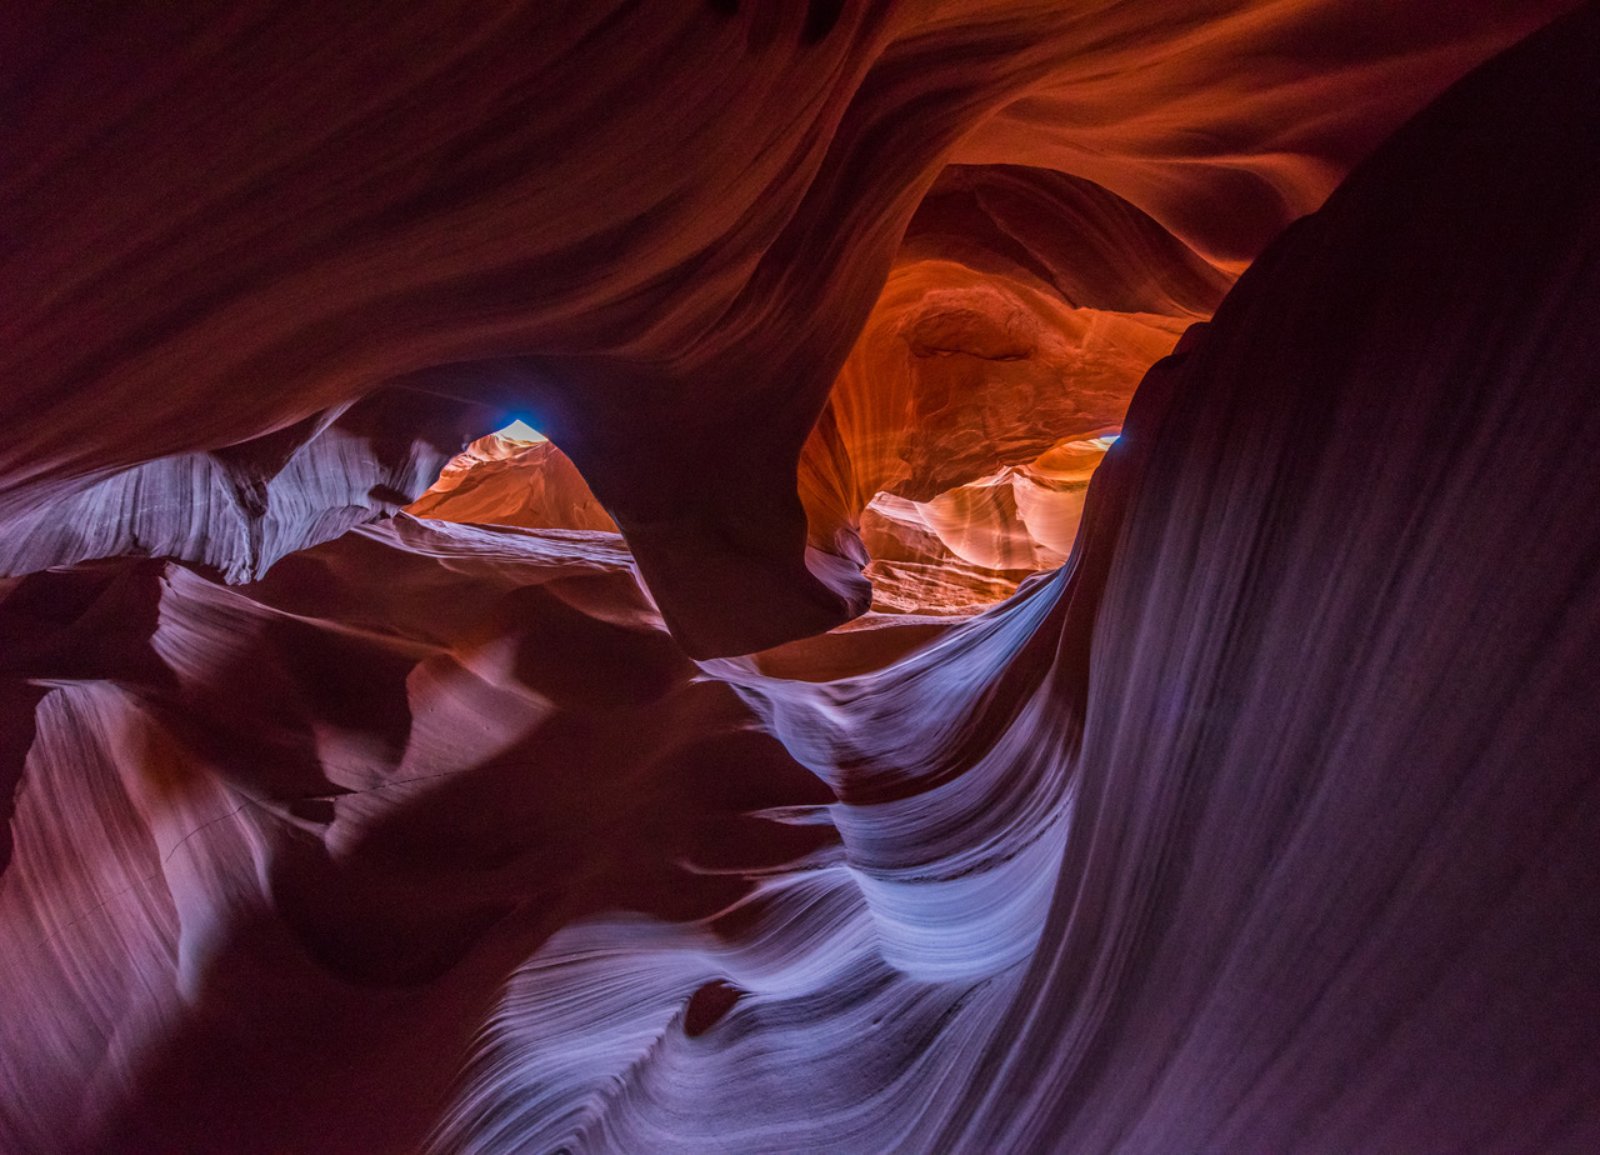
{"points": [[1265, 822]]}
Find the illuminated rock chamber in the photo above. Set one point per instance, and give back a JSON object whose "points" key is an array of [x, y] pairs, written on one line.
{"points": [[1025, 633]]}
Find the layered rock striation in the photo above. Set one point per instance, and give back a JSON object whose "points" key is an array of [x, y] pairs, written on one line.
{"points": [[1261, 817]]}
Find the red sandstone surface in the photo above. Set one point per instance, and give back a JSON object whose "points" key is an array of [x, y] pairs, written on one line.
{"points": [[833, 738]]}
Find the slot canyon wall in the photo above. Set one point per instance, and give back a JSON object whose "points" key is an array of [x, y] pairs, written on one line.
{"points": [[1060, 611]]}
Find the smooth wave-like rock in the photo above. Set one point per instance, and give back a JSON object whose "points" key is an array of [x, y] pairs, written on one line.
{"points": [[242, 508], [655, 227], [958, 437], [1267, 821], [1330, 881]]}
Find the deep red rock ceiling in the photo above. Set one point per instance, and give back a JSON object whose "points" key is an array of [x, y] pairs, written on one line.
{"points": [[1262, 816]]}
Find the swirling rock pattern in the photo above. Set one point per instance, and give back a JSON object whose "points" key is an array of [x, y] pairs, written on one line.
{"points": [[1266, 821], [220, 224]]}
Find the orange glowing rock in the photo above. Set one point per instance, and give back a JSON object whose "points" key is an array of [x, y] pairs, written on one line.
{"points": [[500, 481], [957, 413]]}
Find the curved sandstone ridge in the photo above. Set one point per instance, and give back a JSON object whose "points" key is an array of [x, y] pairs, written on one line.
{"points": [[226, 224], [1022, 310], [501, 481], [1265, 821]]}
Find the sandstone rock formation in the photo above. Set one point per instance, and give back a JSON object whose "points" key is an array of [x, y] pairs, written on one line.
{"points": [[499, 480], [227, 225], [1229, 785]]}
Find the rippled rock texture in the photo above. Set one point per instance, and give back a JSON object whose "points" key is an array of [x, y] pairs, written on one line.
{"points": [[1231, 785]]}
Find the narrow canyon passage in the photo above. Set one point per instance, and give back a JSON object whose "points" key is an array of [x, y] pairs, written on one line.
{"points": [[1038, 590]]}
